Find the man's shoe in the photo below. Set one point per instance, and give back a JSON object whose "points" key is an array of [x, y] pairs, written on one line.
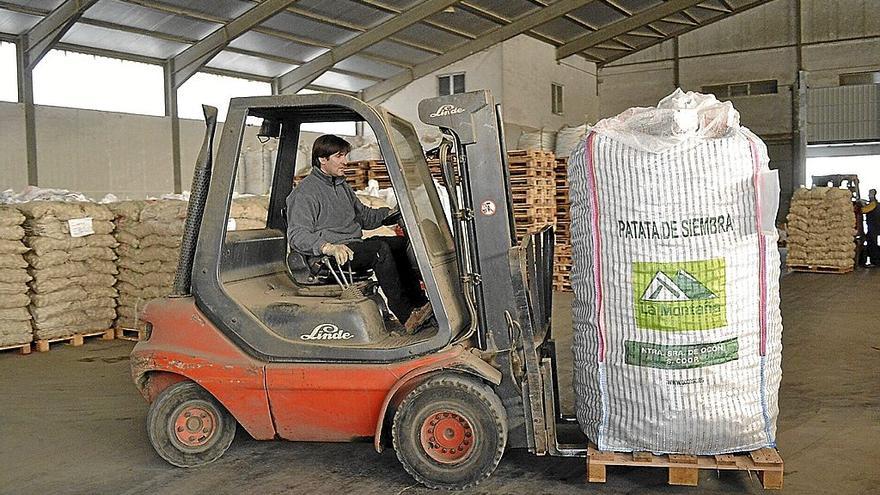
{"points": [[418, 318]]}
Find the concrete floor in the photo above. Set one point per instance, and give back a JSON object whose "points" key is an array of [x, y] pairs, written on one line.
{"points": [[72, 422]]}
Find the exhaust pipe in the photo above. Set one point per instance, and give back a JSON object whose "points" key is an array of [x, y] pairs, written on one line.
{"points": [[198, 195]]}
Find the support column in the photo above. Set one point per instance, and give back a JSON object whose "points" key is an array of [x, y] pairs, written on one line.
{"points": [[171, 111], [799, 131], [676, 65], [26, 96]]}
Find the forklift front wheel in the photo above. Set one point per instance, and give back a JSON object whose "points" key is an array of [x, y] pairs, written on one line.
{"points": [[188, 427], [450, 432]]}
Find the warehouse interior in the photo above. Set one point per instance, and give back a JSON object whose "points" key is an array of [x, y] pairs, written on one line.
{"points": [[105, 204]]}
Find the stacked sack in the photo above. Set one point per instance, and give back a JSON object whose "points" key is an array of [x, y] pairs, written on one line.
{"points": [[249, 212], [72, 263], [149, 235], [15, 320], [821, 225]]}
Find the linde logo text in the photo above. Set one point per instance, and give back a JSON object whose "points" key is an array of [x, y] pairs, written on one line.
{"points": [[327, 331], [445, 110]]}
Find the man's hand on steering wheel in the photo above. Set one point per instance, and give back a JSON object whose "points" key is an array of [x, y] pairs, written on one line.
{"points": [[392, 218]]}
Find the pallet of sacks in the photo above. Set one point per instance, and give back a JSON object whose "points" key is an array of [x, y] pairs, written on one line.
{"points": [[73, 269], [15, 319], [821, 228], [149, 235]]}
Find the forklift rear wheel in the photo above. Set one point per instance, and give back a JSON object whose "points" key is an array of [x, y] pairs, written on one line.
{"points": [[450, 432], [188, 427]]}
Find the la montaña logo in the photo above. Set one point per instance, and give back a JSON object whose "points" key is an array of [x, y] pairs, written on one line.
{"points": [[327, 331], [445, 110]]}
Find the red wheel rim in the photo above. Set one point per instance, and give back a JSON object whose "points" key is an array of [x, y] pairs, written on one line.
{"points": [[195, 426], [447, 437]]}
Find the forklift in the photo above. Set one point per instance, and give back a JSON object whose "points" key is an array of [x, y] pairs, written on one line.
{"points": [[259, 337]]}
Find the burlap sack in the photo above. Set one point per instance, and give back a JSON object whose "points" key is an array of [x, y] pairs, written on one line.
{"points": [[54, 284], [12, 261], [83, 325], [148, 267], [74, 269], [7, 288], [61, 230], [126, 211], [45, 314], [155, 253], [142, 292], [12, 247], [53, 258], [59, 210], [67, 317], [12, 276], [164, 210], [15, 332], [11, 232], [14, 301], [15, 314], [43, 245], [146, 279], [9, 215]]}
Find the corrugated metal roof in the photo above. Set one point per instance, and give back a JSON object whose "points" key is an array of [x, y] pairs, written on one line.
{"points": [[291, 35]]}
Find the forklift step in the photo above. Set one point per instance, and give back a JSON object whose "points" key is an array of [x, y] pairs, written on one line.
{"points": [[684, 469], [75, 340]]}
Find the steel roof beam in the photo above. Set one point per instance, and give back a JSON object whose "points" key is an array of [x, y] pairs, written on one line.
{"points": [[275, 33], [353, 27], [189, 61], [624, 26], [305, 74], [614, 5], [381, 91], [434, 24], [39, 39], [737, 10]]}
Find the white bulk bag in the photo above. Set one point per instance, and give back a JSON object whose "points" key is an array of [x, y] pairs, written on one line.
{"points": [[677, 331]]}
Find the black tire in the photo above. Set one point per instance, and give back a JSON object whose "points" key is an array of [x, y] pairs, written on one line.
{"points": [[188, 427], [475, 431]]}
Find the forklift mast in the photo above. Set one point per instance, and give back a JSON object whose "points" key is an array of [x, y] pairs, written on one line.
{"points": [[510, 283]]}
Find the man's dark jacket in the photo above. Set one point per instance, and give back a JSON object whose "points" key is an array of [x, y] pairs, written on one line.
{"points": [[325, 209]]}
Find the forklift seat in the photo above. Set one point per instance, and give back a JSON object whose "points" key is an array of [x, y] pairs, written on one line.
{"points": [[312, 270]]}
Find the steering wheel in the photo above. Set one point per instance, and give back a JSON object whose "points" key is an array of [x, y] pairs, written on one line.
{"points": [[391, 219]]}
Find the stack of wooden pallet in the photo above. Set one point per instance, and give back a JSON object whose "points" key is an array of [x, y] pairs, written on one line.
{"points": [[366, 171], [355, 175], [562, 256], [533, 188]]}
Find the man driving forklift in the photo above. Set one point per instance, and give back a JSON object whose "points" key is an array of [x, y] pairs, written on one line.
{"points": [[325, 218]]}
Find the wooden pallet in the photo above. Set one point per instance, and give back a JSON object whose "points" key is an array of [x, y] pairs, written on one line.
{"points": [[132, 334], [21, 348], [685, 469], [820, 269], [76, 340]]}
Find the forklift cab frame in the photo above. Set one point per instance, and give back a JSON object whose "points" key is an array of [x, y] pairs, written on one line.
{"points": [[250, 296]]}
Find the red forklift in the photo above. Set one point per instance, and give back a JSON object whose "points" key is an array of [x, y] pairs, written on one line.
{"points": [[291, 349]]}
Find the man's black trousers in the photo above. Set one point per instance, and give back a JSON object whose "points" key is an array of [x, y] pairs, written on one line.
{"points": [[397, 276]]}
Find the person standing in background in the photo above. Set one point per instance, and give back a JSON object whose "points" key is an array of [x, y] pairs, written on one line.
{"points": [[872, 221]]}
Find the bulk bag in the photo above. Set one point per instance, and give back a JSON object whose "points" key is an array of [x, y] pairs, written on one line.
{"points": [[677, 330]]}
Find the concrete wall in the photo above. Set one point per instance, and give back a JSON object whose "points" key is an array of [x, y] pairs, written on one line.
{"points": [[97, 152], [518, 72]]}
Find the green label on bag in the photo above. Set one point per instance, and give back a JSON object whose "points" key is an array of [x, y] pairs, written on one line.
{"points": [[676, 357], [680, 296]]}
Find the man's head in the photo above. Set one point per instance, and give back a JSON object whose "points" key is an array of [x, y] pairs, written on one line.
{"points": [[872, 195], [330, 154]]}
